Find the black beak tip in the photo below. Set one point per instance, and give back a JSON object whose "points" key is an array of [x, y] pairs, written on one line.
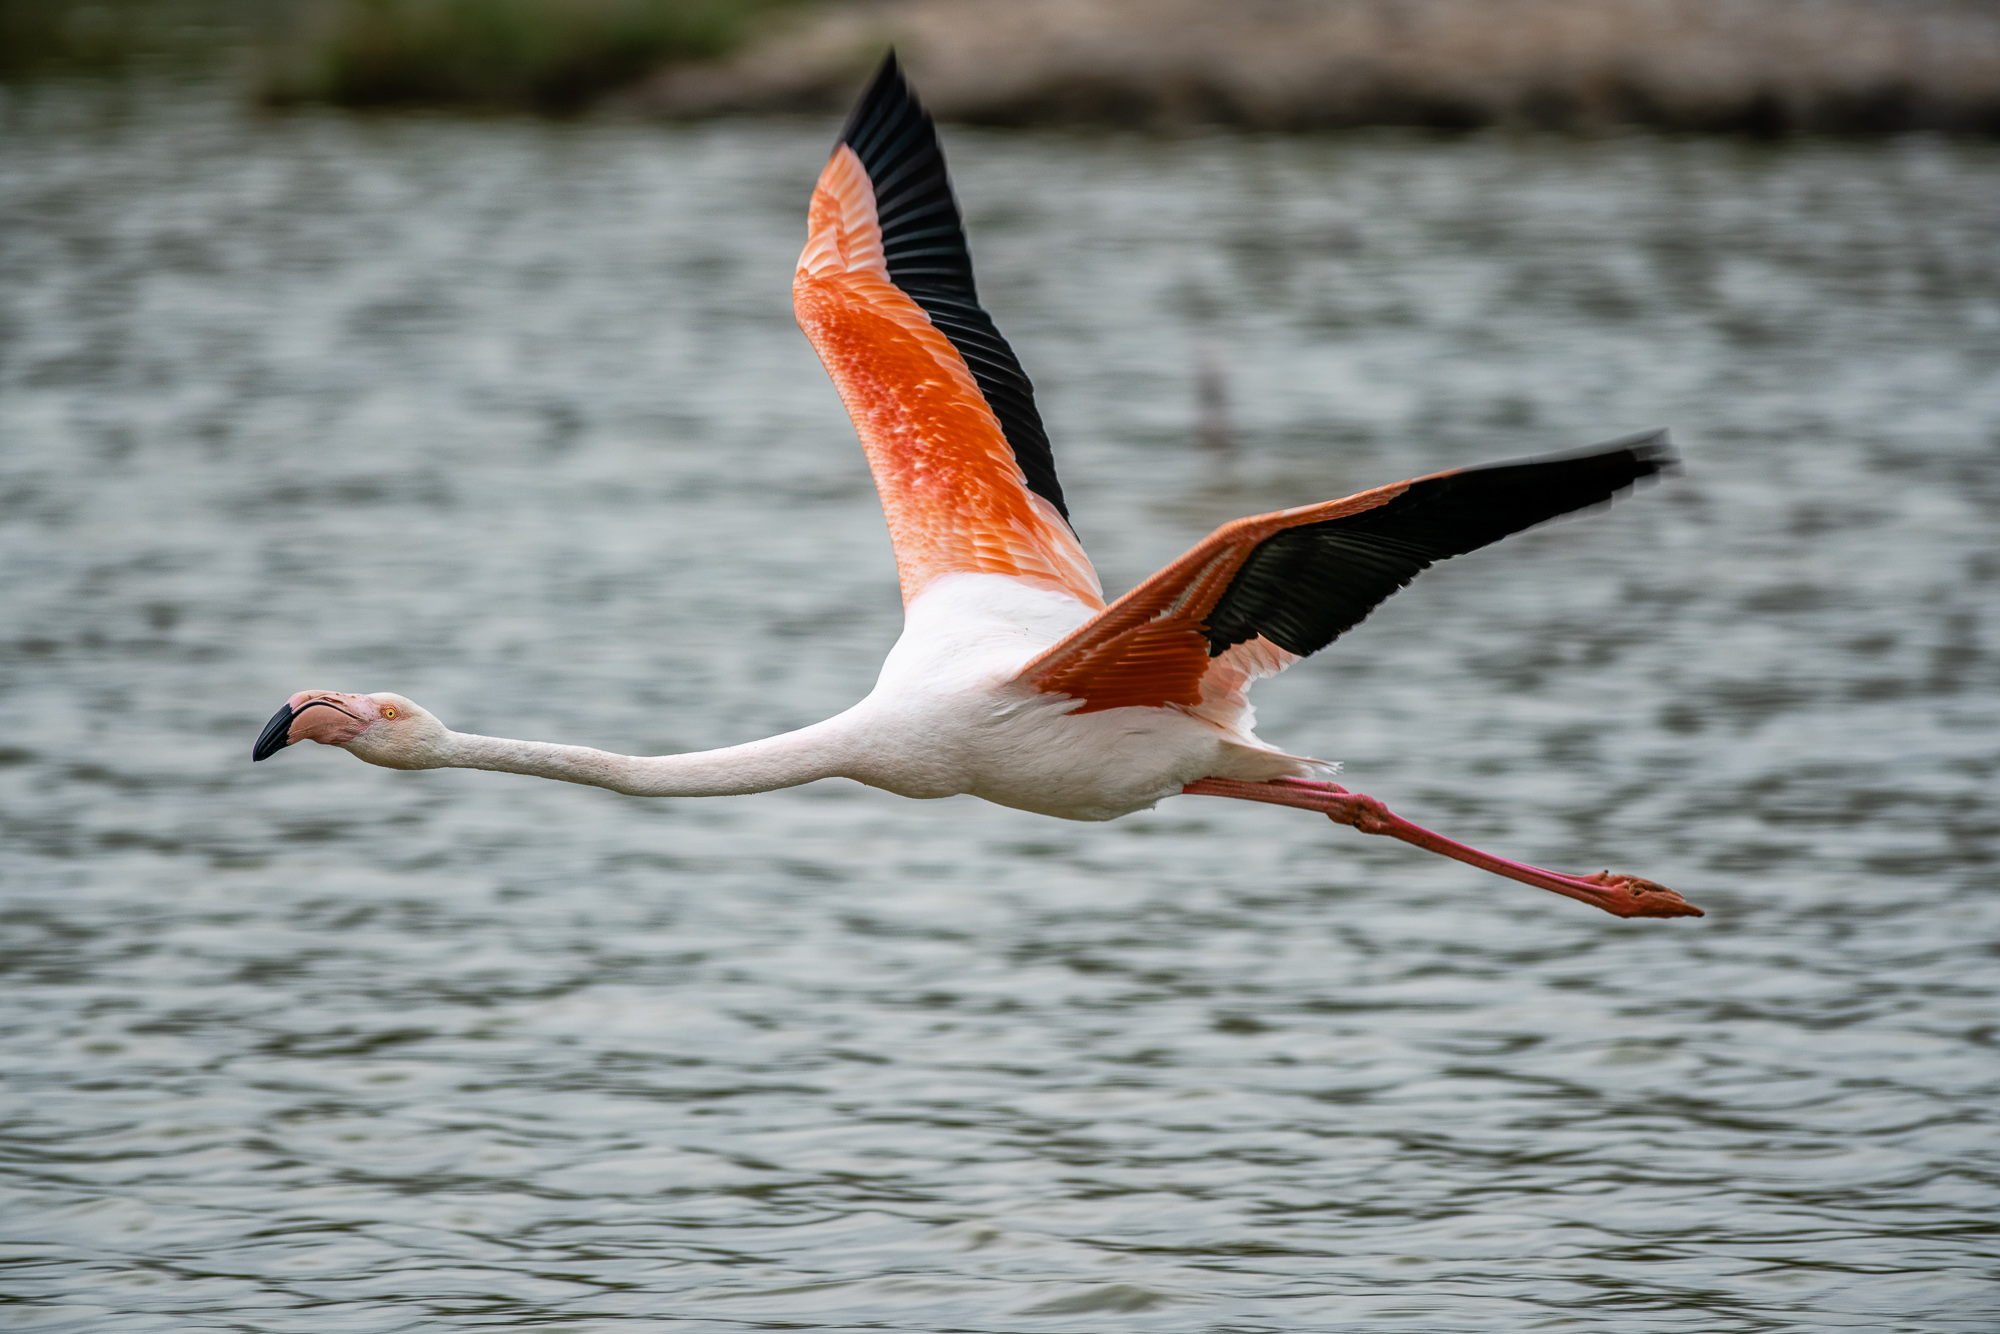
{"points": [[277, 734]]}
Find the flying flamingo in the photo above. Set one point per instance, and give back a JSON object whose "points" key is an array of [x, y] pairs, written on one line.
{"points": [[1012, 680]]}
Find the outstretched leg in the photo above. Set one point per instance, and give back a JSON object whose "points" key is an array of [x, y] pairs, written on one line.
{"points": [[1619, 895]]}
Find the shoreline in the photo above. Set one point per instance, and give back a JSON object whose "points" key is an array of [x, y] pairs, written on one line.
{"points": [[1774, 67], [1767, 68]]}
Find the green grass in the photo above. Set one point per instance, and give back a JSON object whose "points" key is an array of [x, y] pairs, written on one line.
{"points": [[40, 38], [543, 55]]}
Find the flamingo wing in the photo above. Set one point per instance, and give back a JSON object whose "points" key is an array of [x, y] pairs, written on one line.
{"points": [[1258, 594], [945, 414]]}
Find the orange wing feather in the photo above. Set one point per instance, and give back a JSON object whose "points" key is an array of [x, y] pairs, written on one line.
{"points": [[1258, 594], [955, 497], [1150, 649]]}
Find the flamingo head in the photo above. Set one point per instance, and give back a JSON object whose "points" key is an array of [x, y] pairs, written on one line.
{"points": [[382, 729]]}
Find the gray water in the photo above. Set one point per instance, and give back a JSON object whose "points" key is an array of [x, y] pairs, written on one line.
{"points": [[513, 418]]}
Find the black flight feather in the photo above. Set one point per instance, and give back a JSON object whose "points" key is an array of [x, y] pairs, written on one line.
{"points": [[923, 241], [1304, 587]]}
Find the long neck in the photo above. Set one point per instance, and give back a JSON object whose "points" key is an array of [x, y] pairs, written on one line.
{"points": [[787, 760]]}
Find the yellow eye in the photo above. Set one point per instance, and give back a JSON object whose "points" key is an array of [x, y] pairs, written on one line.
{"points": [[388, 713]]}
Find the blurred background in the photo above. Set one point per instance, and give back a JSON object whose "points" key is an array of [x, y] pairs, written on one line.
{"points": [[445, 346]]}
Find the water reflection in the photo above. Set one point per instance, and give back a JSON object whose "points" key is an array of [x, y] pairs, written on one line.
{"points": [[514, 419]]}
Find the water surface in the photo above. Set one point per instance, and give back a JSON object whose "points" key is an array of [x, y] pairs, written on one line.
{"points": [[514, 419]]}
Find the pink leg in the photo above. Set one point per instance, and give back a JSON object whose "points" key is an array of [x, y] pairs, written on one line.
{"points": [[1619, 895]]}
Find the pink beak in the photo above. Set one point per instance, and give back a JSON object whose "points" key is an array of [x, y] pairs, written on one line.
{"points": [[325, 716]]}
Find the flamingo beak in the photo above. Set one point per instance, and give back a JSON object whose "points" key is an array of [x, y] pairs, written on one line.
{"points": [[277, 734], [325, 716]]}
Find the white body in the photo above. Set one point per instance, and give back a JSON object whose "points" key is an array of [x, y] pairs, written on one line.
{"points": [[944, 719]]}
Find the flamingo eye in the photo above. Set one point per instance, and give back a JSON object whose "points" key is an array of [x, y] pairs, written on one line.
{"points": [[388, 713]]}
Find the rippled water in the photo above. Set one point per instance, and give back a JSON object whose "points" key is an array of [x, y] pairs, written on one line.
{"points": [[513, 419]]}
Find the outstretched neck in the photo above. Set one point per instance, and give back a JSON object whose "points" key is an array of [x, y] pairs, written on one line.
{"points": [[787, 760]]}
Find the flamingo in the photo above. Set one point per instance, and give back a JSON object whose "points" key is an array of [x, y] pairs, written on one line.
{"points": [[1013, 680]]}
